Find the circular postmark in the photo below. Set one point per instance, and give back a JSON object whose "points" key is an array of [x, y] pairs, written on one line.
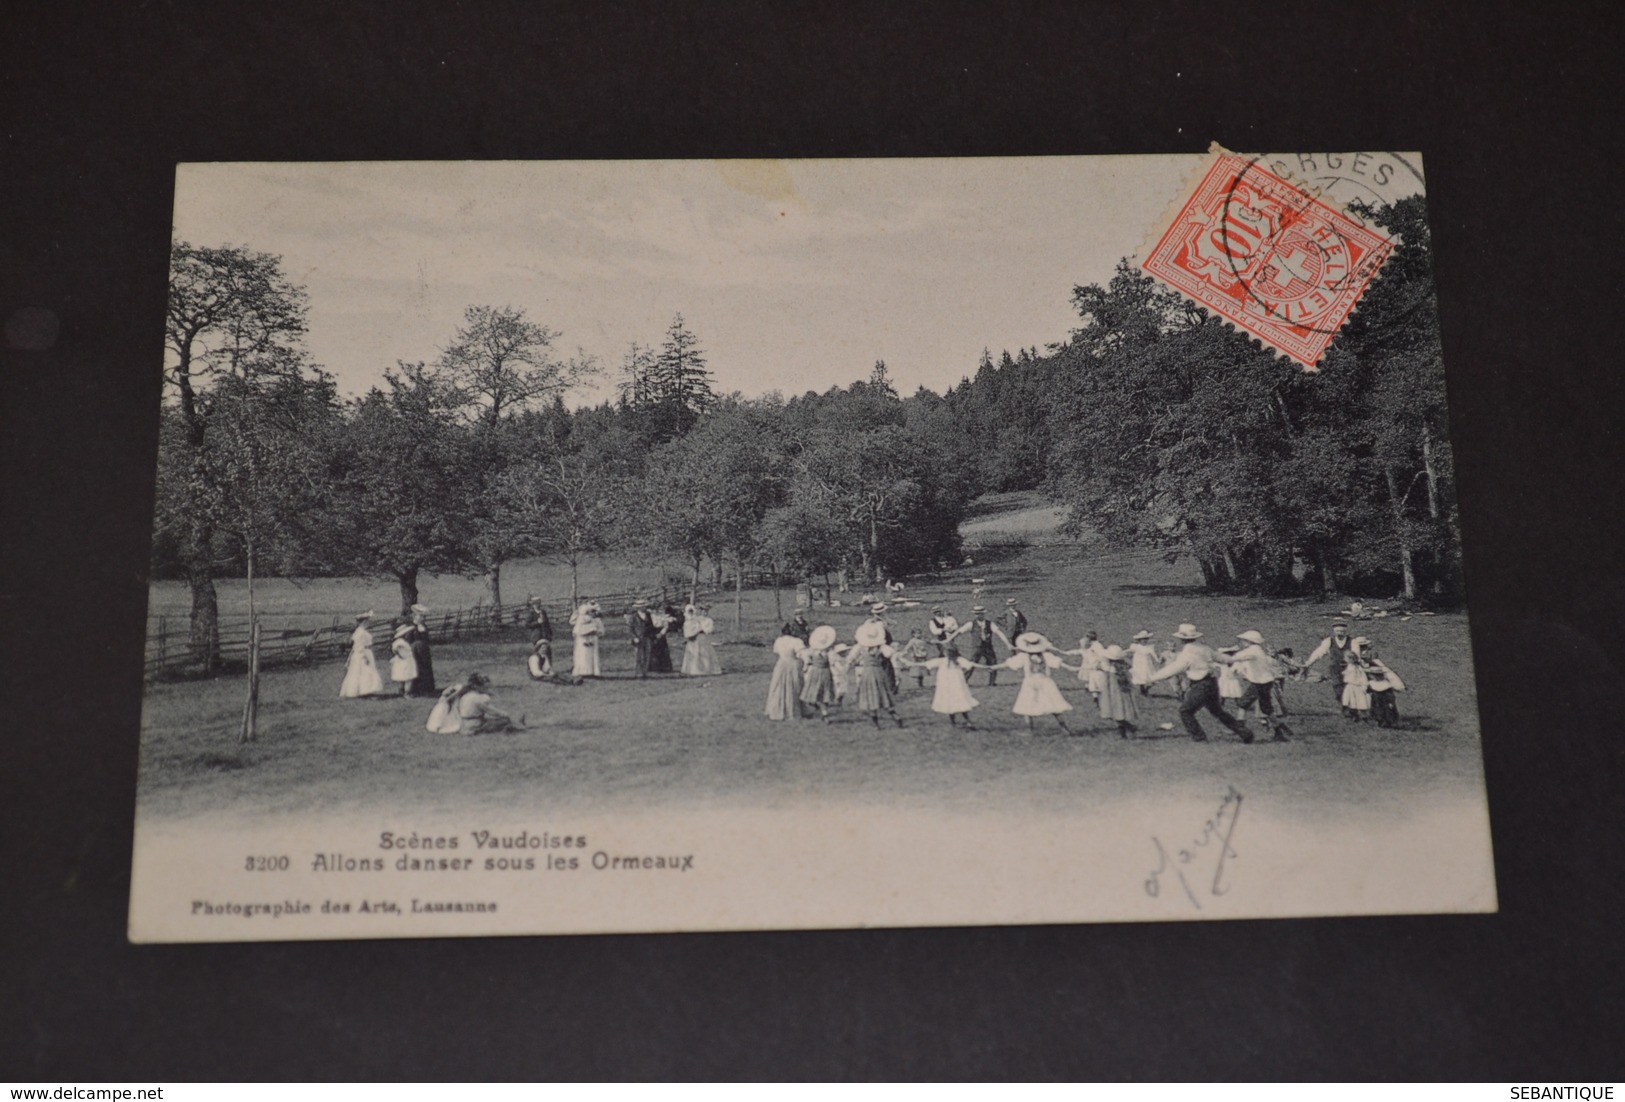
{"points": [[1279, 230]]}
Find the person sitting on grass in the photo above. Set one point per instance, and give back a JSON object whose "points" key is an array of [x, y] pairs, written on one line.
{"points": [[478, 715]]}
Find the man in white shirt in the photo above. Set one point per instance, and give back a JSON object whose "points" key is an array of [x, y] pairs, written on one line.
{"points": [[1253, 664], [1195, 660]]}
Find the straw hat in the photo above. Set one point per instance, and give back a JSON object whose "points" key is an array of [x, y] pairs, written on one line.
{"points": [[978, 608], [404, 629], [877, 607], [1030, 642], [420, 609], [822, 637], [364, 616], [1251, 637], [871, 634], [1113, 653], [1187, 631], [1142, 635], [1009, 600]]}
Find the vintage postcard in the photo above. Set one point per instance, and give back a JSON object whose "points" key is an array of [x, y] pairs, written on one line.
{"points": [[589, 547]]}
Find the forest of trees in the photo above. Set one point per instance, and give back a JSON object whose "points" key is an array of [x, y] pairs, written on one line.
{"points": [[1154, 424]]}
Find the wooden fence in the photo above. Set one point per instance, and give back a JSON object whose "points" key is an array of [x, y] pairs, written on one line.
{"points": [[292, 638]]}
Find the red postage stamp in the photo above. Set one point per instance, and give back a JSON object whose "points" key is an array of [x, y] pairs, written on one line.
{"points": [[1268, 256]]}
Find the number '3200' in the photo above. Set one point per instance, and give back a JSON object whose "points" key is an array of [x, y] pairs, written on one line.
{"points": [[266, 864]]}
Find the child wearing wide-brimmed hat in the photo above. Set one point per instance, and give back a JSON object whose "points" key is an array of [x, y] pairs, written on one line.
{"points": [[1116, 698], [1035, 657], [818, 677], [871, 682]]}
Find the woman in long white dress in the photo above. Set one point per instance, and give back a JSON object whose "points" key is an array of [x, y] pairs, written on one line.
{"points": [[699, 656], [361, 672], [587, 627], [784, 688], [1039, 695]]}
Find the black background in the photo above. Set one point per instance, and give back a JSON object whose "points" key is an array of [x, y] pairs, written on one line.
{"points": [[1517, 113]]}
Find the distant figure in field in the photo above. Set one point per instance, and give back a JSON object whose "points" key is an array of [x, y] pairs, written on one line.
{"points": [[403, 668], [478, 715], [660, 645], [818, 677], [784, 687], [423, 684], [1039, 695], [540, 662], [537, 623], [1195, 662], [699, 656], [587, 627], [1014, 620], [798, 626], [640, 624], [1142, 661], [361, 671]]}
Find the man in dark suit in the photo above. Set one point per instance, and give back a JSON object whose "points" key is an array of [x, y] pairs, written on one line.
{"points": [[982, 631], [1015, 621], [642, 627]]}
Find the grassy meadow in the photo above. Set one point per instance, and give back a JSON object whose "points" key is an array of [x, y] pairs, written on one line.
{"points": [[622, 742]]}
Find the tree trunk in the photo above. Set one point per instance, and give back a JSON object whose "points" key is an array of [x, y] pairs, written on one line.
{"points": [[874, 546], [409, 589], [778, 608], [739, 592], [1432, 473], [251, 706], [1407, 569], [575, 582], [829, 594], [695, 588], [716, 573], [493, 581], [204, 631]]}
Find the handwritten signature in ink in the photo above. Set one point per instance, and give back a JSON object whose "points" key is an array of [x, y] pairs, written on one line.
{"points": [[1215, 841]]}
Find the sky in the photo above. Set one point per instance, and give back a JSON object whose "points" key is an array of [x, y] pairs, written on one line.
{"points": [[794, 275]]}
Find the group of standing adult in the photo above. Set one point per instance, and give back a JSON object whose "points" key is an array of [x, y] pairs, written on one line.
{"points": [[411, 663], [650, 630]]}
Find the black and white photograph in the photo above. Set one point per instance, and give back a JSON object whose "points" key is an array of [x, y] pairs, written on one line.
{"points": [[646, 546]]}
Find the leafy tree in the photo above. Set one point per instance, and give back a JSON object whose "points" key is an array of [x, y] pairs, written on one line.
{"points": [[231, 314], [500, 362]]}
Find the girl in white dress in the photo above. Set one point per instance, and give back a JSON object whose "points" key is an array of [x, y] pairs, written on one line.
{"points": [[361, 672], [1039, 695], [1357, 685], [403, 666], [1230, 686], [699, 656], [586, 627], [952, 697], [1142, 662]]}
